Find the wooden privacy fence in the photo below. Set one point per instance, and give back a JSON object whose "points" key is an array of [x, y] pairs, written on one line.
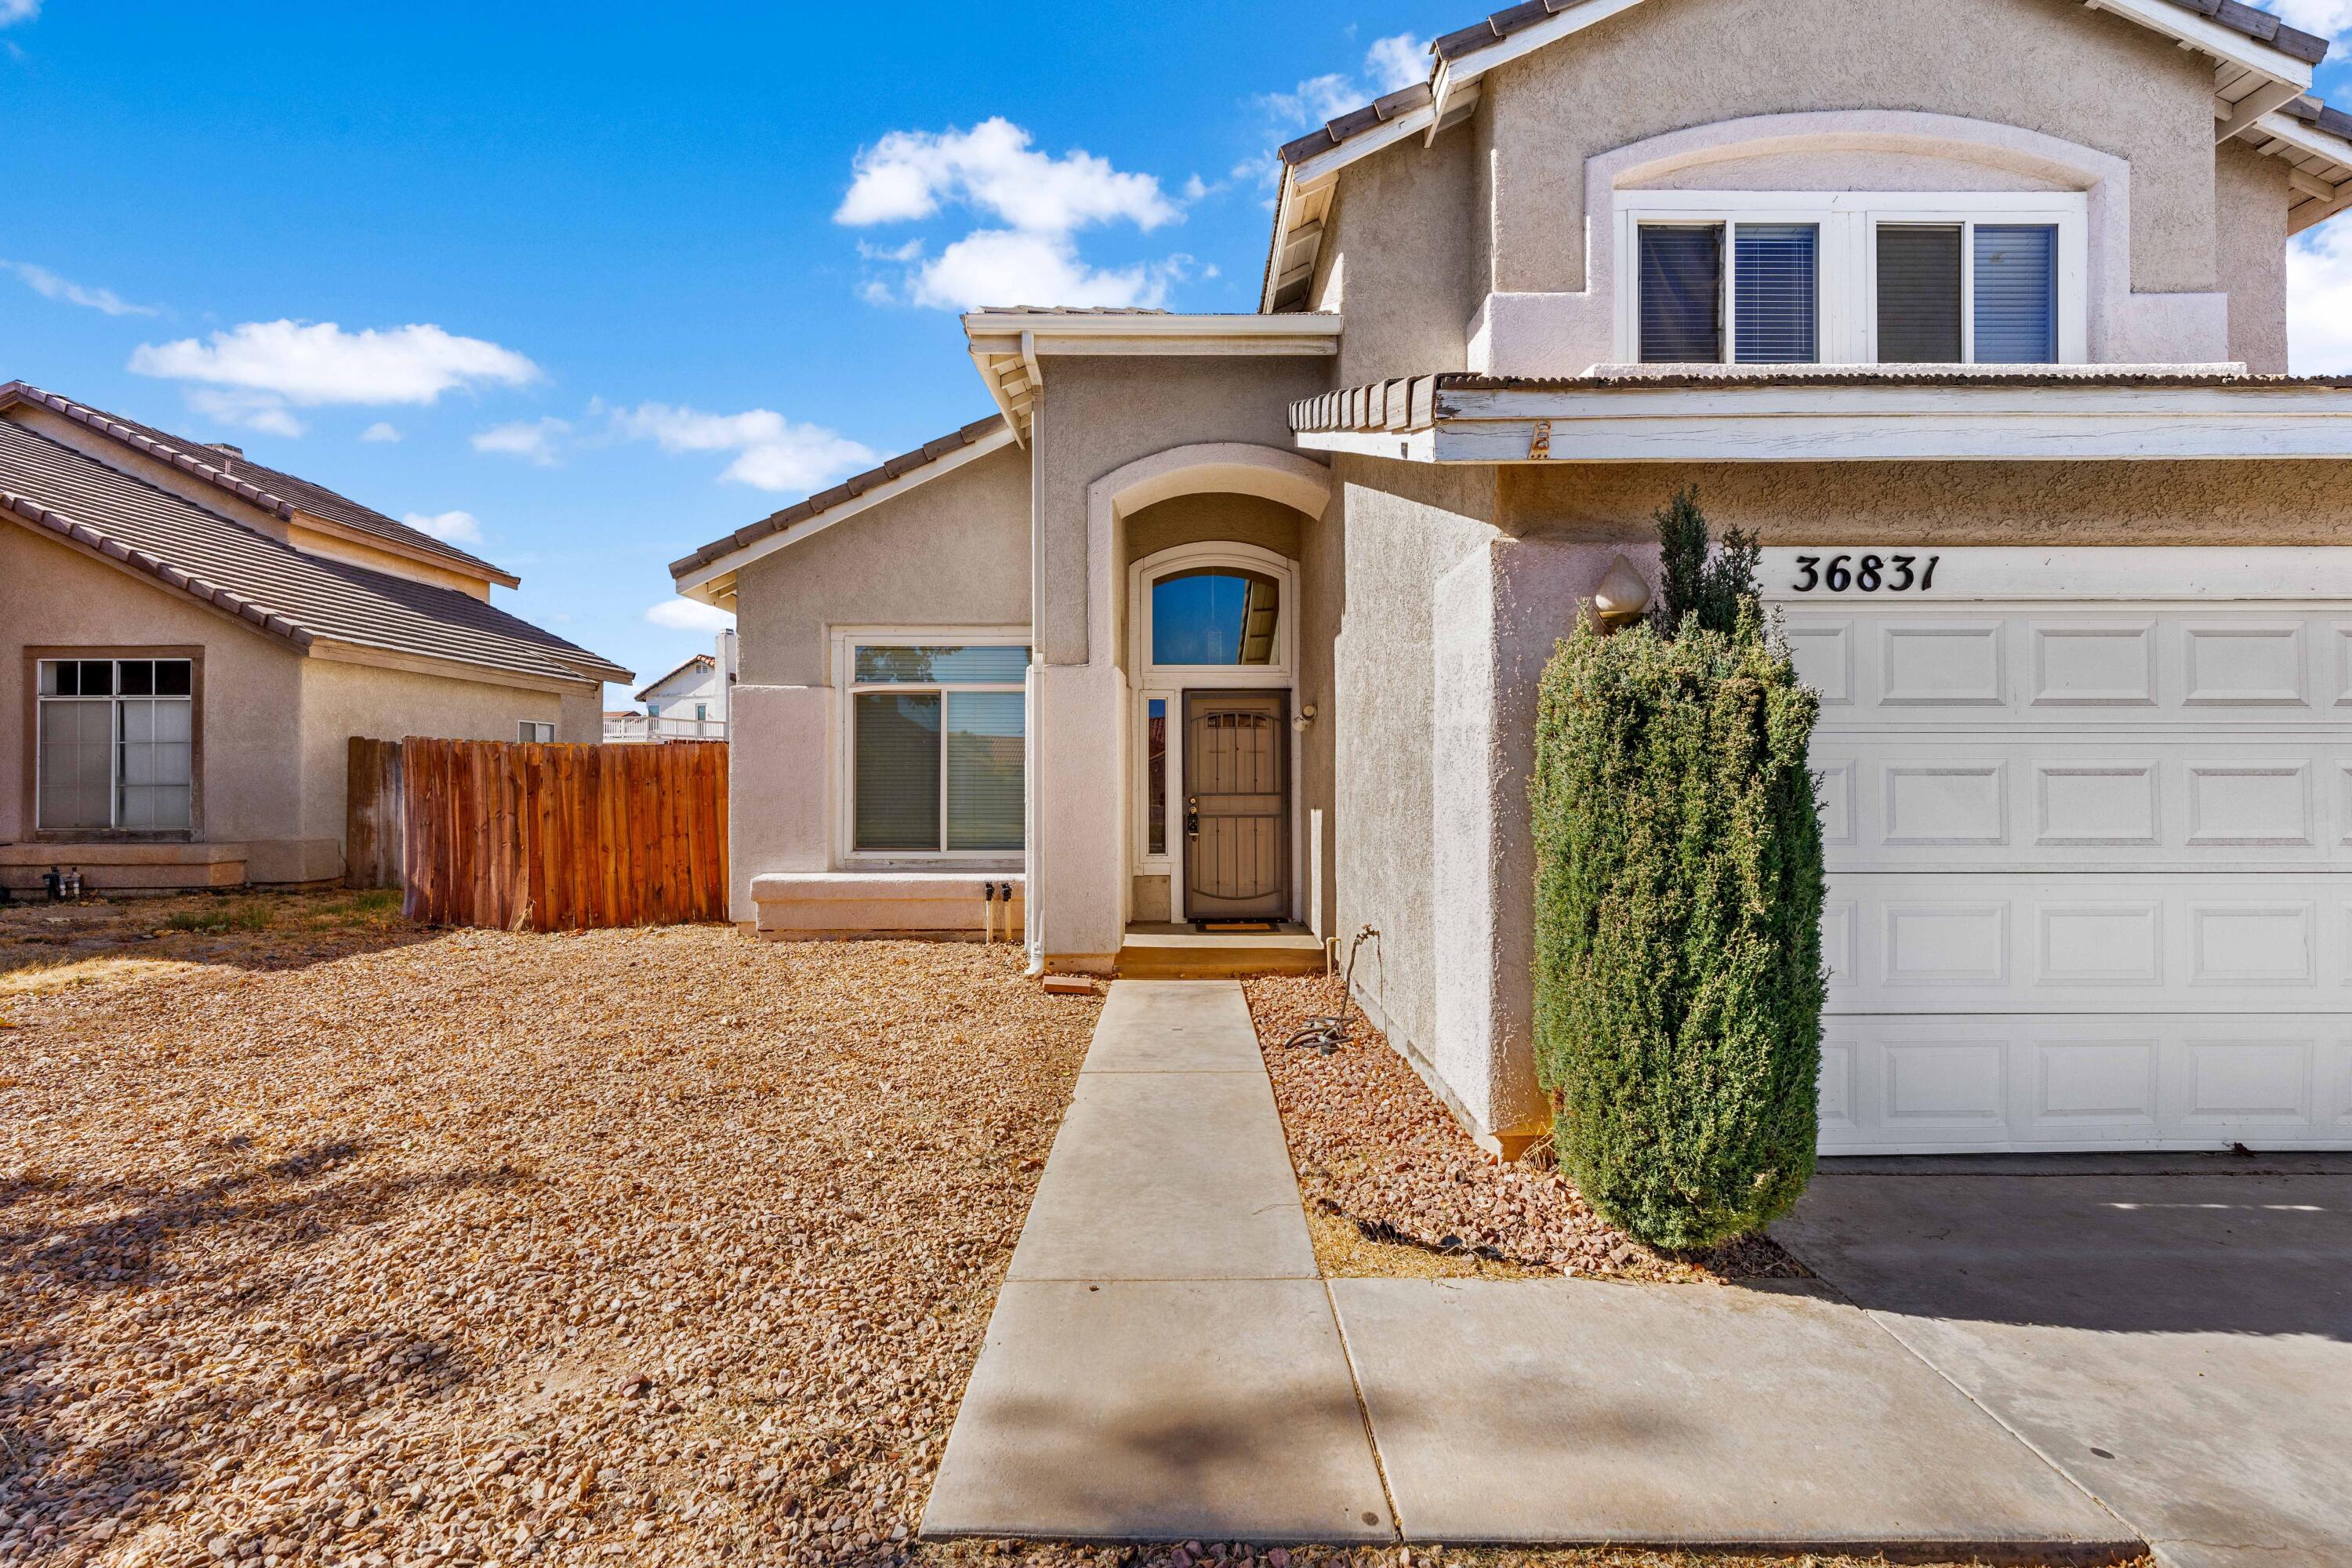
{"points": [[547, 837]]}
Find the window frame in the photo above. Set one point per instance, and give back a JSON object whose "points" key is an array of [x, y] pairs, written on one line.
{"points": [[846, 641], [33, 656], [524, 735], [1846, 257]]}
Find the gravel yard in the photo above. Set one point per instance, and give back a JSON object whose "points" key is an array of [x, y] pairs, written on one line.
{"points": [[324, 1239], [1394, 1186], [327, 1240]]}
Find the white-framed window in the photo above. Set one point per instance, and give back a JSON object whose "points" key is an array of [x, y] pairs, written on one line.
{"points": [[1852, 277], [934, 733], [531, 732], [117, 745]]}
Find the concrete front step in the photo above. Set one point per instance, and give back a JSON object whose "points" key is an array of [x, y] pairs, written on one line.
{"points": [[1179, 953]]}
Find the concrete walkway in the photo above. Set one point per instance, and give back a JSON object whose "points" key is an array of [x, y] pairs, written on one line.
{"points": [[1164, 1364]]}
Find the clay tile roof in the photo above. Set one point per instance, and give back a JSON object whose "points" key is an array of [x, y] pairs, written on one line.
{"points": [[49, 487], [856, 485], [273, 489], [1355, 121]]}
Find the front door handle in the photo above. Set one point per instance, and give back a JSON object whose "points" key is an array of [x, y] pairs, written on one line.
{"points": [[1192, 816]]}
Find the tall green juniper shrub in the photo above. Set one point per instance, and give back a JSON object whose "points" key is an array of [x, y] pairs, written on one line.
{"points": [[1678, 896]]}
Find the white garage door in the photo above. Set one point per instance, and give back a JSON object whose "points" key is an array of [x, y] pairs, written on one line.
{"points": [[2088, 816]]}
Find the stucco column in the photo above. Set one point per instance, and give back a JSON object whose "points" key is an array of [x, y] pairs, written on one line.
{"points": [[1077, 913], [1499, 612], [780, 786]]}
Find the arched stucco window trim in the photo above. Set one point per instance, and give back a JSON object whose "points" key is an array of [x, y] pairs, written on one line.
{"points": [[1180, 558], [1234, 467], [1564, 333]]}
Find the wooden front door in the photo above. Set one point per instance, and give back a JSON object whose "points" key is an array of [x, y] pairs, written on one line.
{"points": [[1236, 805]]}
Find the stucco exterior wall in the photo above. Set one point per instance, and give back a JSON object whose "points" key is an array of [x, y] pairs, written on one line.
{"points": [[1098, 413], [2286, 502], [1396, 259], [951, 553], [2043, 65], [339, 700], [1376, 578], [2249, 203]]}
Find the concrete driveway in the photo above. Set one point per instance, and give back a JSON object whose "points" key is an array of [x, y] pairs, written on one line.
{"points": [[2173, 1333]]}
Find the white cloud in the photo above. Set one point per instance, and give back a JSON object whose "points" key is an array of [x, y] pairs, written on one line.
{"points": [[689, 615], [993, 169], [448, 527], [1397, 62], [14, 11], [382, 430], [533, 441], [309, 363], [772, 452], [1004, 266], [2328, 18], [2319, 300], [1315, 100], [1033, 205], [47, 284], [253, 410]]}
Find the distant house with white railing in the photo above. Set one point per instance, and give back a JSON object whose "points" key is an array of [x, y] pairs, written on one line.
{"points": [[690, 703]]}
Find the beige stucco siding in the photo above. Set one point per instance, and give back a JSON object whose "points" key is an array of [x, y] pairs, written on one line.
{"points": [[2249, 203], [952, 552], [1376, 579], [274, 722], [52, 594], [1946, 504], [1100, 413], [339, 700], [2049, 66], [1396, 259]]}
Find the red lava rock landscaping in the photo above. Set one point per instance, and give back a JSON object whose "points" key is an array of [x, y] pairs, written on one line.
{"points": [[1377, 1151]]}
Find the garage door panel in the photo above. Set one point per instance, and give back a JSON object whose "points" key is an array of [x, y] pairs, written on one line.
{"points": [[2052, 668], [1926, 943], [2176, 802], [2027, 1081]]}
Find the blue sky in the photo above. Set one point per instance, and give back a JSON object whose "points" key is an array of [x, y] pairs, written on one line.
{"points": [[585, 287]]}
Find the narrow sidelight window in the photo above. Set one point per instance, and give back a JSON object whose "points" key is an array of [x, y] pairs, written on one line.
{"points": [[937, 736], [2016, 294], [1775, 292], [1681, 293], [1919, 295], [1155, 776]]}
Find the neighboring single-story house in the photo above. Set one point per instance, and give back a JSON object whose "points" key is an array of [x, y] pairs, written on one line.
{"points": [[690, 703], [189, 639], [1977, 312]]}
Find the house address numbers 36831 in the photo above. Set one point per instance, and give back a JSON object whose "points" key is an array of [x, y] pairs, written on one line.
{"points": [[1870, 573]]}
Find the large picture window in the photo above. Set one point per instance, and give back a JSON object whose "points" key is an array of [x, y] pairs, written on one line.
{"points": [[116, 748], [937, 733]]}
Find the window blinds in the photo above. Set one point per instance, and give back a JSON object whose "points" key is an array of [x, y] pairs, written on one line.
{"points": [[1774, 292], [1918, 295], [1682, 294], [2017, 294], [897, 771], [984, 767]]}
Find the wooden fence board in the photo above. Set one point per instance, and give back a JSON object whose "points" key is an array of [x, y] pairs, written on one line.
{"points": [[545, 837]]}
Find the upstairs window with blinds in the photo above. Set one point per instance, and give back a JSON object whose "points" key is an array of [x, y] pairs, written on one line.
{"points": [[1763, 278], [1968, 294], [937, 739]]}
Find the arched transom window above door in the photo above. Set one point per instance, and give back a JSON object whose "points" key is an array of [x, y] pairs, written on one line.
{"points": [[1214, 613]]}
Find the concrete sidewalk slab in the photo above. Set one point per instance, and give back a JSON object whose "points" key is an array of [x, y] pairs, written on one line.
{"points": [[1174, 1025], [1160, 1412], [1579, 1412], [2173, 1333], [1176, 1176]]}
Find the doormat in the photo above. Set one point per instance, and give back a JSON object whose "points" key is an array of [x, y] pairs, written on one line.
{"points": [[1238, 925]]}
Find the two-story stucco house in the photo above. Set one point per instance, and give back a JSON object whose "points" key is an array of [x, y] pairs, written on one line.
{"points": [[189, 640], [1977, 312]]}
